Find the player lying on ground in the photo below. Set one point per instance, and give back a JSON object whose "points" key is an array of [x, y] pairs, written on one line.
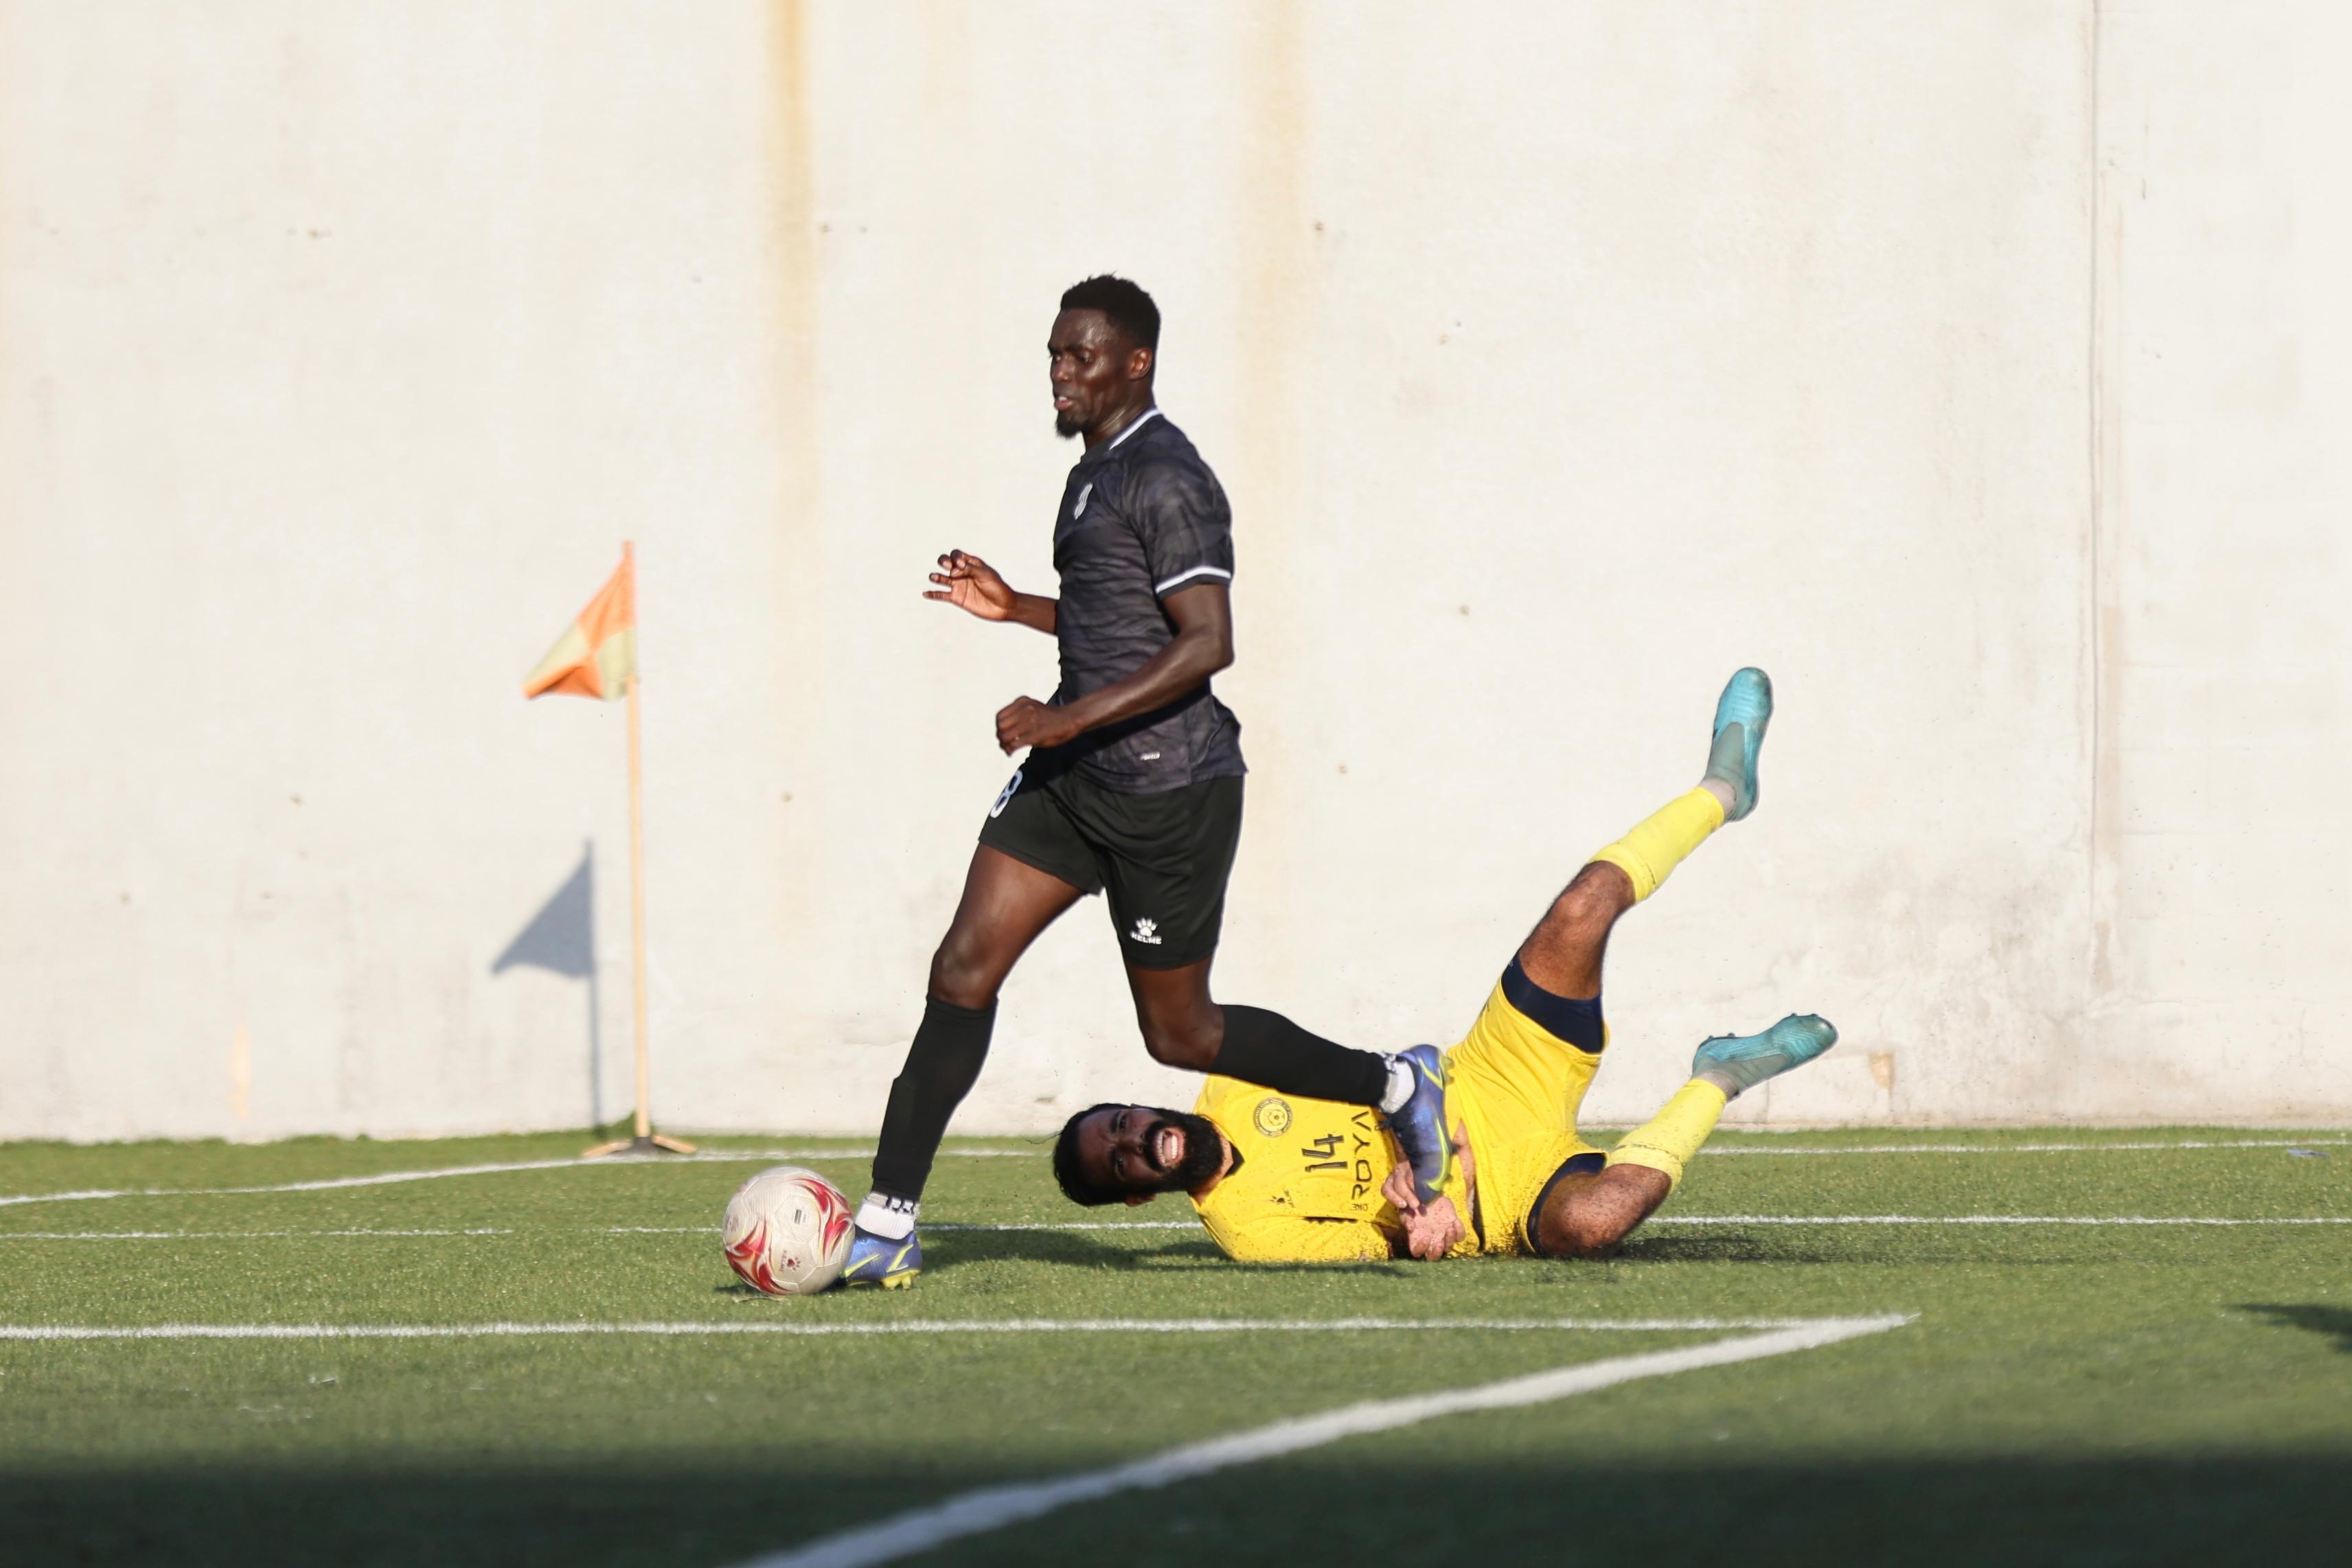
{"points": [[1132, 786], [1278, 1178]]}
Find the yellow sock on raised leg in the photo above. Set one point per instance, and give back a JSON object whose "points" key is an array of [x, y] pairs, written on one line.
{"points": [[1726, 1065], [1657, 843], [1653, 846], [1670, 1139]]}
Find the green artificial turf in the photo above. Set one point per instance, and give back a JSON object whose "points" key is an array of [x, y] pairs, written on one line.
{"points": [[2065, 1393]]}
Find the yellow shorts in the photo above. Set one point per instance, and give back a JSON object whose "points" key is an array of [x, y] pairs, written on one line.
{"points": [[1516, 1087]]}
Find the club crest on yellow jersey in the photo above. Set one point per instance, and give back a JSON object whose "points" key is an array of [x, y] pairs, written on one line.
{"points": [[1272, 1116]]}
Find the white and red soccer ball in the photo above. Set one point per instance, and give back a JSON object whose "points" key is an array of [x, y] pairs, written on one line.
{"points": [[787, 1233]]}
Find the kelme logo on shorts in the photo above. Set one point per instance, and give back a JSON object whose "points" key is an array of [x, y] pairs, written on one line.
{"points": [[1272, 1116], [1011, 785], [1145, 931]]}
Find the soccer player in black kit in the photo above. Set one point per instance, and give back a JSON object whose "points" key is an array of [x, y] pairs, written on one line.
{"points": [[1132, 788]]}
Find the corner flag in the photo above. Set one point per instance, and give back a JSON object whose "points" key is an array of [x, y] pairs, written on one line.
{"points": [[596, 657]]}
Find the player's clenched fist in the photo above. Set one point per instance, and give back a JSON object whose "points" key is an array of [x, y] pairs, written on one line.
{"points": [[1431, 1231], [1026, 721]]}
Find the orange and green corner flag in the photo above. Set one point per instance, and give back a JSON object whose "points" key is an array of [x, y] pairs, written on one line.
{"points": [[598, 654]]}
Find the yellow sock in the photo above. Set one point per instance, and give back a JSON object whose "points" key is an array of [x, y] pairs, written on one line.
{"points": [[1671, 1137], [1656, 844]]}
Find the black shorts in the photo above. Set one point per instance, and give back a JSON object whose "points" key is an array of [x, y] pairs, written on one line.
{"points": [[1163, 857]]}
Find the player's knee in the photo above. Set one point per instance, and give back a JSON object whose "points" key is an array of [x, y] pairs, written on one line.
{"points": [[1575, 1218], [1593, 901], [961, 973], [1189, 1044]]}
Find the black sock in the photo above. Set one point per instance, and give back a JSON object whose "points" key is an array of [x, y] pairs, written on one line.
{"points": [[941, 1067], [1269, 1050]]}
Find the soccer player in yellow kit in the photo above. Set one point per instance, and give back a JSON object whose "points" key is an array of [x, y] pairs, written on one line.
{"points": [[1278, 1178]]}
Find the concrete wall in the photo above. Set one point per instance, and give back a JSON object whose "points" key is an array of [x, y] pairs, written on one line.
{"points": [[1975, 369], [2222, 863]]}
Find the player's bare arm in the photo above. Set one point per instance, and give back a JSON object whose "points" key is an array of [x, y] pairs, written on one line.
{"points": [[971, 584], [1131, 787], [1203, 644]]}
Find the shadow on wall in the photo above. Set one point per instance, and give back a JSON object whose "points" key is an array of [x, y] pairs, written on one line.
{"points": [[561, 939]]}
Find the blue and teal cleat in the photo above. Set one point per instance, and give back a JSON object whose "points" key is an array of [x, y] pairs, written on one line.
{"points": [[877, 1261], [1735, 1063], [1419, 1124], [1741, 714]]}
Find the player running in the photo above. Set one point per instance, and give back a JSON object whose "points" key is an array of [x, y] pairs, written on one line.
{"points": [[1132, 788], [1281, 1178]]}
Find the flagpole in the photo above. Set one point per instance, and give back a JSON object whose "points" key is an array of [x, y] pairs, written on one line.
{"points": [[647, 1140]]}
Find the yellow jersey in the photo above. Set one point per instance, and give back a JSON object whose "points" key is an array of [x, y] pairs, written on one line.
{"points": [[1308, 1185]]}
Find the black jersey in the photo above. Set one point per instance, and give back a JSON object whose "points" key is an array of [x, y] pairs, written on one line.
{"points": [[1141, 518]]}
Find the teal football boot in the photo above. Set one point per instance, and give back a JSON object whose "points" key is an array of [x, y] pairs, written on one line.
{"points": [[1737, 1062], [1740, 716], [877, 1261]]}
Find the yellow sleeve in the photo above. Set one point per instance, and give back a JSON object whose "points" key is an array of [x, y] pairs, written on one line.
{"points": [[1292, 1238]]}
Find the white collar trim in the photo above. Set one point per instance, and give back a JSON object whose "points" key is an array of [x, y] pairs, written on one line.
{"points": [[1146, 417]]}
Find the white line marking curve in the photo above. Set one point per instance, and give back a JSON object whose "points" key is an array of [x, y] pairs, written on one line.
{"points": [[992, 1508], [712, 1230], [75, 1331], [232, 1235], [394, 1178], [1986, 1219], [723, 1156], [2032, 1148]]}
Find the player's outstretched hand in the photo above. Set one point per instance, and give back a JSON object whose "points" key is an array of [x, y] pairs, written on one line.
{"points": [[1026, 721], [970, 583]]}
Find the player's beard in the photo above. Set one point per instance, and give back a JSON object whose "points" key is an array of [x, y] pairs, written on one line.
{"points": [[1204, 1150], [1066, 424]]}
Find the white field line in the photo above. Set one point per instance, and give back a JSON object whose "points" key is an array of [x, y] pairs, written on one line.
{"points": [[712, 1230], [897, 1326], [992, 1508], [2032, 1148], [1037, 1225], [234, 1235], [1987, 1219], [726, 1156], [1081, 1224], [392, 1178]]}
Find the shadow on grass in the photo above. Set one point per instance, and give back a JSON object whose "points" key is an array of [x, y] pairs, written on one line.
{"points": [[508, 1512], [962, 1248], [2334, 1322], [1078, 1249], [1728, 1247], [1845, 1246]]}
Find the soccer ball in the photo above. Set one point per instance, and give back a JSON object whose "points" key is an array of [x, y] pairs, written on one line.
{"points": [[787, 1231]]}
